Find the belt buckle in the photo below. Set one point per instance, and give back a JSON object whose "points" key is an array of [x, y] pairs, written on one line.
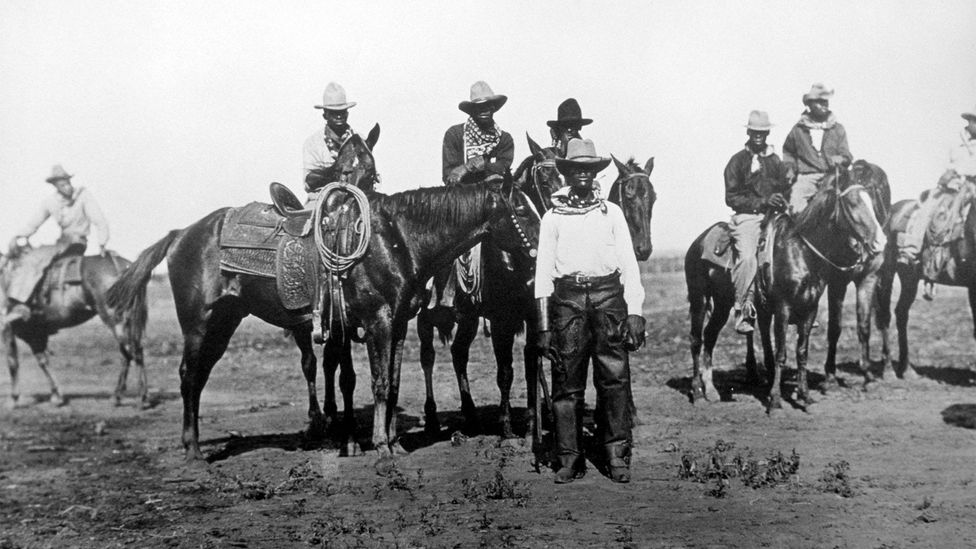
{"points": [[581, 280]]}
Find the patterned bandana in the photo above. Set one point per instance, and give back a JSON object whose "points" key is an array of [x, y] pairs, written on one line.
{"points": [[567, 203], [334, 142], [478, 142]]}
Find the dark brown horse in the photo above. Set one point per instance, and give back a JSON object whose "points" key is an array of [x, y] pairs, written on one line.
{"points": [[70, 304], [839, 228], [507, 299], [963, 251], [413, 233]]}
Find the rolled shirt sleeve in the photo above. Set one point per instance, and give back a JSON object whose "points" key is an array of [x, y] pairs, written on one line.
{"points": [[629, 270], [37, 218], [545, 265]]}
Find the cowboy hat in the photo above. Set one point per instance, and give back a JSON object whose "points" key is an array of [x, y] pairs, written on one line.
{"points": [[759, 121], [481, 94], [581, 153], [970, 114], [568, 114], [58, 174], [817, 91], [334, 98]]}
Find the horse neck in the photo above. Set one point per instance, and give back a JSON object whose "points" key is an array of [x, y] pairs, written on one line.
{"points": [[434, 230], [825, 241]]}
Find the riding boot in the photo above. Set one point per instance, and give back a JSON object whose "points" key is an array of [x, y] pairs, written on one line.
{"points": [[618, 461], [15, 311], [233, 287], [745, 317], [569, 434]]}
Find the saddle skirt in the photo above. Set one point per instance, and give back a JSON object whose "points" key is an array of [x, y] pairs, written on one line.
{"points": [[717, 246]]}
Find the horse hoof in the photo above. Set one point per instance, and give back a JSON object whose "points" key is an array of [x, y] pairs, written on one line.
{"points": [[385, 464], [194, 459], [397, 449], [909, 374], [145, 404], [56, 400], [712, 394]]}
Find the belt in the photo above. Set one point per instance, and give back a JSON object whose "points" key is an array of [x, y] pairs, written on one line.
{"points": [[584, 280]]}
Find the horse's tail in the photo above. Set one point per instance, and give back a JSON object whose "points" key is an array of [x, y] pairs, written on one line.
{"points": [[129, 291]]}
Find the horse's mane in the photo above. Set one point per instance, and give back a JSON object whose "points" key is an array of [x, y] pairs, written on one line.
{"points": [[435, 206], [525, 165], [875, 181], [818, 211]]}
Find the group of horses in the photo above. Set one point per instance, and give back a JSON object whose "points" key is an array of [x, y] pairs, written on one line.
{"points": [[844, 236]]}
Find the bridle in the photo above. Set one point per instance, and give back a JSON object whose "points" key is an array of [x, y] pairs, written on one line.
{"points": [[861, 245], [525, 243], [534, 177], [621, 182]]}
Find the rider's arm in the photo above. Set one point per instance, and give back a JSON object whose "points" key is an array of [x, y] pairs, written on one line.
{"points": [[627, 261], [37, 218], [738, 195], [502, 157], [452, 151], [96, 217]]}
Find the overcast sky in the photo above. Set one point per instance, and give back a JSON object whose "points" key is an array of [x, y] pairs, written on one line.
{"points": [[169, 110]]}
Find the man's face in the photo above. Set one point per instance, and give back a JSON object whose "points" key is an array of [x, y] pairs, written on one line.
{"points": [[336, 120], [64, 187], [483, 115], [819, 108], [562, 134], [580, 180], [757, 139]]}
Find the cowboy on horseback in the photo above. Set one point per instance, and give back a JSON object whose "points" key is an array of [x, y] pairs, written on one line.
{"points": [[567, 125], [958, 179], [755, 183], [816, 145], [75, 211], [322, 148], [475, 151], [589, 294]]}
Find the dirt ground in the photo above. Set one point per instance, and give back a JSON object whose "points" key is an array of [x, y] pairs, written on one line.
{"points": [[888, 467]]}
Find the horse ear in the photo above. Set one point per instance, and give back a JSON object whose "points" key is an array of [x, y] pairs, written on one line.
{"points": [[373, 136], [535, 148], [621, 167], [649, 167]]}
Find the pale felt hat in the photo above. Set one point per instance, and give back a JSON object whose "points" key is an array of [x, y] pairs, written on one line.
{"points": [[581, 152], [759, 121], [481, 94], [58, 174], [817, 91], [970, 114], [334, 98]]}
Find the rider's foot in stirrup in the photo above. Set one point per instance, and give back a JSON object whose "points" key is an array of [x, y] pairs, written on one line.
{"points": [[745, 317]]}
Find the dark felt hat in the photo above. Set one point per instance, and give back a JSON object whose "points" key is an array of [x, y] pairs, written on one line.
{"points": [[569, 114]]}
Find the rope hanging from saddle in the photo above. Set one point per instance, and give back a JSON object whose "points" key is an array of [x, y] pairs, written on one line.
{"points": [[335, 263]]}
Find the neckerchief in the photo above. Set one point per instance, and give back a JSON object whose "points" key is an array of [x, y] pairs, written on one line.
{"points": [[334, 142], [567, 203], [754, 166], [478, 142]]}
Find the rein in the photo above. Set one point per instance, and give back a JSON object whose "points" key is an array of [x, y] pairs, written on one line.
{"points": [[620, 186], [820, 254], [549, 164]]}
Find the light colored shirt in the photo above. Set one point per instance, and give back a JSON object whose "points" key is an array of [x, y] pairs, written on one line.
{"points": [[322, 148], [962, 155], [74, 215], [590, 244]]}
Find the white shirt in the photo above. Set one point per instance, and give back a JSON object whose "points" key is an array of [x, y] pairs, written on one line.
{"points": [[590, 244], [74, 215], [962, 156], [316, 152]]}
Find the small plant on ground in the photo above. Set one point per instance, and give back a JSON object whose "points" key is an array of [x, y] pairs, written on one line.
{"points": [[835, 479]]}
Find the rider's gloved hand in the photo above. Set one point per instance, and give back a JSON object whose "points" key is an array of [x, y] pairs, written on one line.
{"points": [[776, 202], [454, 176], [475, 164], [634, 335], [837, 161]]}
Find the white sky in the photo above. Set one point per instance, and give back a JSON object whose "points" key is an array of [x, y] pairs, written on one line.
{"points": [[169, 110]]}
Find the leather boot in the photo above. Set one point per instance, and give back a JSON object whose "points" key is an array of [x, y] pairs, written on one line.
{"points": [[618, 462], [571, 467], [16, 311]]}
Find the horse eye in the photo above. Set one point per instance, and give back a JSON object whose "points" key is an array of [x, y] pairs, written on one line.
{"points": [[521, 211]]}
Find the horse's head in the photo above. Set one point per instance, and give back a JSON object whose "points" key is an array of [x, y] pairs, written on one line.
{"points": [[842, 216], [875, 180], [355, 164], [634, 193], [538, 177], [515, 228]]}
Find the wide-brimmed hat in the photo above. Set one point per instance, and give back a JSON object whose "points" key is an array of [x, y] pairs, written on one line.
{"points": [[759, 121], [581, 153], [817, 91], [970, 114], [58, 174], [334, 99], [481, 94], [569, 114]]}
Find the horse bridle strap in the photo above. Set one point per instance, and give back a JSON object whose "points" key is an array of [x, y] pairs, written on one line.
{"points": [[825, 258], [620, 187]]}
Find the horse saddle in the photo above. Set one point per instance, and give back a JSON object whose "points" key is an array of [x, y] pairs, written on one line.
{"points": [[717, 244], [61, 273]]}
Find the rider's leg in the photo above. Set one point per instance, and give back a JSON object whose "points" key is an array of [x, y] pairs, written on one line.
{"points": [[745, 229]]}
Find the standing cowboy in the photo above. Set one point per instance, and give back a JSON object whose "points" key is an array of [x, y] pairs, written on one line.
{"points": [[567, 125], [478, 148], [755, 180], [816, 144], [959, 174], [75, 211], [322, 148], [586, 270], [472, 152]]}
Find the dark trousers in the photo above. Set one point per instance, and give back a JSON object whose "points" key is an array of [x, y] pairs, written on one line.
{"points": [[587, 321]]}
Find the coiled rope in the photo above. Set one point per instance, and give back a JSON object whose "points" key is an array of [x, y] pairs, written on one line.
{"points": [[332, 260]]}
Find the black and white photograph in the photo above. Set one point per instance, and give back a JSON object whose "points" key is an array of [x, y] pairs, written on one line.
{"points": [[451, 274]]}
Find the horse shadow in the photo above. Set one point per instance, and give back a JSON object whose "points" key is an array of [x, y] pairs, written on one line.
{"points": [[732, 385], [128, 400], [960, 415], [959, 377]]}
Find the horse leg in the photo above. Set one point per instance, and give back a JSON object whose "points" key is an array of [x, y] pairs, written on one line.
{"points": [[780, 325], [532, 364], [836, 290], [378, 346], [42, 362], [720, 314], [204, 344], [803, 329], [764, 322], [467, 329], [697, 310], [396, 359], [303, 339], [865, 288], [425, 332], [13, 364], [882, 312], [347, 385], [909, 289], [502, 341]]}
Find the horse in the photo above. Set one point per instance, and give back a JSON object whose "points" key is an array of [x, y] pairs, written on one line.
{"points": [[507, 299], [506, 302], [963, 251], [413, 233], [805, 253], [66, 305]]}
